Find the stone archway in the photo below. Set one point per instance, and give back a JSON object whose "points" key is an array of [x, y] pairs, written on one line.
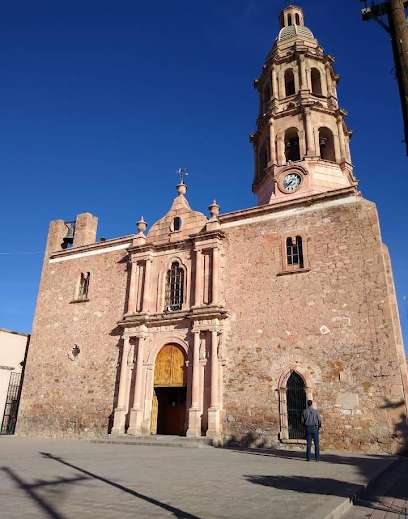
{"points": [[293, 381], [168, 415]]}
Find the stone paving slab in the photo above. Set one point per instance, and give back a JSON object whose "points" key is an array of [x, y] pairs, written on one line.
{"points": [[72, 479]]}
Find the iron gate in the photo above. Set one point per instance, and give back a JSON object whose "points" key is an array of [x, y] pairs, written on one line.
{"points": [[8, 424], [296, 402]]}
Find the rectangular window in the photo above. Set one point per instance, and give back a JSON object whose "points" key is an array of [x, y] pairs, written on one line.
{"points": [[294, 253], [83, 286]]}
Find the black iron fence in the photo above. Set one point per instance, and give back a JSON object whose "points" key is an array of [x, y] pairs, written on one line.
{"points": [[8, 424]]}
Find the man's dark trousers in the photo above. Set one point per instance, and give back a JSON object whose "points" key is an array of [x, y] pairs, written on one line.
{"points": [[312, 431]]}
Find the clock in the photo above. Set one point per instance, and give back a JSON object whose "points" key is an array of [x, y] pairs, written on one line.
{"points": [[291, 182]]}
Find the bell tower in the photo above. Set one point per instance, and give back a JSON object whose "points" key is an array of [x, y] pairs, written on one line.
{"points": [[301, 145]]}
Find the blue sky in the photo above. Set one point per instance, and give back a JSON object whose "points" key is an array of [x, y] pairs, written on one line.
{"points": [[101, 101]]}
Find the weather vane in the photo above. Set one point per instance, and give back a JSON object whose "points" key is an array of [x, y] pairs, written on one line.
{"points": [[290, 2], [182, 172]]}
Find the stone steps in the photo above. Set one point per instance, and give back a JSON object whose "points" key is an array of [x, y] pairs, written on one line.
{"points": [[156, 441]]}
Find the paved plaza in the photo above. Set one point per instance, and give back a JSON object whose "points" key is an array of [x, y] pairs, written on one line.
{"points": [[74, 479]]}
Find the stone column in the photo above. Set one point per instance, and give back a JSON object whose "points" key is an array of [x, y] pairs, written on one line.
{"points": [[281, 149], [272, 142], [120, 411], [275, 90], [198, 294], [282, 91], [341, 139], [214, 411], [302, 144], [215, 274], [132, 301], [303, 79], [328, 81], [146, 285], [194, 413], [310, 149], [135, 420], [348, 155]]}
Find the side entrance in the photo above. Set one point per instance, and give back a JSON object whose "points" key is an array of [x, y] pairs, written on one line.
{"points": [[170, 391]]}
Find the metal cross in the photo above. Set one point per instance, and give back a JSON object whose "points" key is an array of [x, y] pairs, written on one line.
{"points": [[290, 2], [182, 172]]}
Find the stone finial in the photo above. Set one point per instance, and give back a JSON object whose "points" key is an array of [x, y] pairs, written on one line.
{"points": [[181, 188], [214, 209], [141, 225]]}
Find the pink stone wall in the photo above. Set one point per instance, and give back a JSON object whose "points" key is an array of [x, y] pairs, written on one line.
{"points": [[337, 325], [333, 322], [63, 395]]}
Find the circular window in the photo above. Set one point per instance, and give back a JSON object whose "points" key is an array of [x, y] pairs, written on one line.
{"points": [[176, 224]]}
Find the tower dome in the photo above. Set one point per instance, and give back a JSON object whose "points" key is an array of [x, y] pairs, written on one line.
{"points": [[295, 30]]}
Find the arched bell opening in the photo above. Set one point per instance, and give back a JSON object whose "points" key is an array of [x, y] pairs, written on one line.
{"points": [[289, 83], [266, 97], [262, 161], [292, 150], [326, 144], [316, 82], [169, 391]]}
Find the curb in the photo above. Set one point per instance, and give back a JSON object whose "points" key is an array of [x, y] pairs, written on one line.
{"points": [[348, 502], [150, 444]]}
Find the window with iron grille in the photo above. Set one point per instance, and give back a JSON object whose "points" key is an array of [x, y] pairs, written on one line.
{"points": [[84, 286], [174, 287], [294, 253]]}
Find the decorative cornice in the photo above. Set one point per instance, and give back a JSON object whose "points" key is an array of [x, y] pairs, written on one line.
{"points": [[287, 204], [95, 248], [168, 318]]}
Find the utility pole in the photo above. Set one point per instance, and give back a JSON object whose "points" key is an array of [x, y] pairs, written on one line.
{"points": [[398, 30]]}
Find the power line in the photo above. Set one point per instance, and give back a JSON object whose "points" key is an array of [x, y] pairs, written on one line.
{"points": [[20, 253]]}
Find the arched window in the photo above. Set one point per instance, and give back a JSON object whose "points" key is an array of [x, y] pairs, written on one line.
{"points": [[294, 253], [289, 82], [83, 286], [266, 97], [297, 17], [292, 151], [326, 144], [174, 288], [316, 82], [289, 19], [296, 403], [262, 161]]}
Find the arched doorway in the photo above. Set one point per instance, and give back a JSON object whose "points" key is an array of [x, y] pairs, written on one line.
{"points": [[296, 403], [170, 391]]}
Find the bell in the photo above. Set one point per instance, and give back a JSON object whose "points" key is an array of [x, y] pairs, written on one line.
{"points": [[322, 142], [69, 237]]}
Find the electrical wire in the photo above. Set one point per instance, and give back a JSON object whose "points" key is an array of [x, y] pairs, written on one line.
{"points": [[20, 253]]}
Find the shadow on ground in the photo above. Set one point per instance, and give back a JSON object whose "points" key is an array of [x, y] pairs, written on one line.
{"points": [[52, 512]]}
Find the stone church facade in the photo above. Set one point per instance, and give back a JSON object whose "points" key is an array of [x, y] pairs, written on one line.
{"points": [[224, 325]]}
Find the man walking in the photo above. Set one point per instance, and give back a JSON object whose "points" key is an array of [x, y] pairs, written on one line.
{"points": [[311, 419]]}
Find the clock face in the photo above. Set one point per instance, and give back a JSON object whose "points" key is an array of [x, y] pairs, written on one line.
{"points": [[292, 181]]}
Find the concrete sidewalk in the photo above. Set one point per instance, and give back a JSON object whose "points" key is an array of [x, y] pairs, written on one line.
{"points": [[73, 479], [387, 498]]}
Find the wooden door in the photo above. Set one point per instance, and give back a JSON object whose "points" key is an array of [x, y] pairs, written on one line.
{"points": [[170, 369], [155, 411], [169, 399]]}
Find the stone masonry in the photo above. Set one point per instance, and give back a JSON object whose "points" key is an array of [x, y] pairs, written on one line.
{"points": [[258, 310]]}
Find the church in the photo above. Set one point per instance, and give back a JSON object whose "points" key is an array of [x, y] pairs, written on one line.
{"points": [[223, 325]]}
